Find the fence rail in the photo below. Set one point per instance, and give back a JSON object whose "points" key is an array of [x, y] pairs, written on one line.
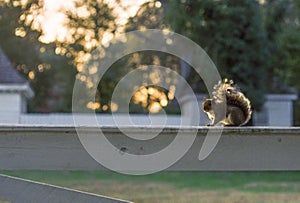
{"points": [[59, 148]]}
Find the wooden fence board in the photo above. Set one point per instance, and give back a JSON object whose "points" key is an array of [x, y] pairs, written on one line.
{"points": [[59, 148]]}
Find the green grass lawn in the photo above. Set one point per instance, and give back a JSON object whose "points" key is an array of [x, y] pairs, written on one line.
{"points": [[178, 186]]}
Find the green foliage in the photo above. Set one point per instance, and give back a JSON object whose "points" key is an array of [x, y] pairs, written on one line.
{"points": [[241, 181], [286, 62], [281, 20], [232, 33], [274, 13]]}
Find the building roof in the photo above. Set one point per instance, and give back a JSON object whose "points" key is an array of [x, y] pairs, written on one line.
{"points": [[8, 74], [11, 80]]}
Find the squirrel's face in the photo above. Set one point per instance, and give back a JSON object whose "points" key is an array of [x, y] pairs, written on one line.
{"points": [[231, 90]]}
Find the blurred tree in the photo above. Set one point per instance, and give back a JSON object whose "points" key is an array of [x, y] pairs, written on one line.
{"points": [[90, 24], [50, 76], [274, 14], [290, 45], [286, 61], [151, 16], [231, 31], [281, 19]]}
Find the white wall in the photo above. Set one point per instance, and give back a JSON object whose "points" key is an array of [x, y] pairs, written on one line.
{"points": [[280, 109], [10, 107]]}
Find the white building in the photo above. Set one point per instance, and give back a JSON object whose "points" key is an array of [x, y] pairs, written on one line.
{"points": [[14, 92]]}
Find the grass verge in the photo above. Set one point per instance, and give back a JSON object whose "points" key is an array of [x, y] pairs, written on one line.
{"points": [[178, 186]]}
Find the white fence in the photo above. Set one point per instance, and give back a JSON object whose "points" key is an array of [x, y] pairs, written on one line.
{"points": [[66, 119]]}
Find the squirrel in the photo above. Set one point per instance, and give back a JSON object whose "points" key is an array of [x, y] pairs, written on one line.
{"points": [[238, 107]]}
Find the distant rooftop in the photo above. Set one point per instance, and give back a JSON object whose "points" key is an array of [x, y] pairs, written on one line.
{"points": [[8, 74]]}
